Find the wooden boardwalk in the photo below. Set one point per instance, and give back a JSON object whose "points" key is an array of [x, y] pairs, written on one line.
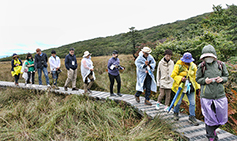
{"points": [[192, 133]]}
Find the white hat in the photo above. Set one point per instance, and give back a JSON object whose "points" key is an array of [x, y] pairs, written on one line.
{"points": [[86, 53], [207, 55], [146, 50]]}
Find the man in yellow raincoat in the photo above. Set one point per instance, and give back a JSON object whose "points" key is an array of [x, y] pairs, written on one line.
{"points": [[185, 72], [16, 67]]}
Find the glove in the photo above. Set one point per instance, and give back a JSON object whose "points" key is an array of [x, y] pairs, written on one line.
{"points": [[183, 79]]}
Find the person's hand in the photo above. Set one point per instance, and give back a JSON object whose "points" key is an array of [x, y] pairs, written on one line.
{"points": [[33, 65], [208, 81], [91, 69], [147, 63], [219, 79], [146, 71], [17, 64], [183, 79]]}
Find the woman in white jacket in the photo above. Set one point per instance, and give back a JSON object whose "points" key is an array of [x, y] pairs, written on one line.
{"points": [[87, 71], [164, 81]]}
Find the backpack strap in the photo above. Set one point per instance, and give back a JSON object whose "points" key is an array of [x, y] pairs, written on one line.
{"points": [[203, 66], [220, 65]]}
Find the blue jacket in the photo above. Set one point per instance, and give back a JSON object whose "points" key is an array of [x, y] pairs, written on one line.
{"points": [[71, 62], [113, 61]]}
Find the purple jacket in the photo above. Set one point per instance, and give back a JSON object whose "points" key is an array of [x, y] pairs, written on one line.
{"points": [[113, 61]]}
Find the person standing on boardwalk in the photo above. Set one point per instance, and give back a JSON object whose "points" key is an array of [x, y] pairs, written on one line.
{"points": [[31, 69], [41, 60], [16, 64], [54, 62], [164, 80], [211, 75], [113, 70], [185, 72], [145, 64], [87, 72], [71, 66]]}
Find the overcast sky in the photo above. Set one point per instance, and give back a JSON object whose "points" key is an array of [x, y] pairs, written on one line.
{"points": [[29, 24]]}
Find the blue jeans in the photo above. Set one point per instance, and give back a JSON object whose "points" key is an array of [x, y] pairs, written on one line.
{"points": [[147, 86], [191, 98], [55, 77], [45, 71]]}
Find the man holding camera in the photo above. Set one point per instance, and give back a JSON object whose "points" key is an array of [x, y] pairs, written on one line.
{"points": [[113, 69]]}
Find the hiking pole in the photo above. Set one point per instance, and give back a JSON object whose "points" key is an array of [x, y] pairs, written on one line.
{"points": [[175, 97]]}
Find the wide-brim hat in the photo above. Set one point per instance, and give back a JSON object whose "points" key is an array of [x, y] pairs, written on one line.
{"points": [[146, 50], [187, 58], [207, 55], [86, 53]]}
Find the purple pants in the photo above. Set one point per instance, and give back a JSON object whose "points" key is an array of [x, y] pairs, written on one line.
{"points": [[215, 111]]}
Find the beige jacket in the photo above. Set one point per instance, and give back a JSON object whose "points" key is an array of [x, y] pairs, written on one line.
{"points": [[164, 71]]}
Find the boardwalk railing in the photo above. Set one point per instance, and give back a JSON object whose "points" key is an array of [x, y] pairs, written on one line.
{"points": [[188, 131]]}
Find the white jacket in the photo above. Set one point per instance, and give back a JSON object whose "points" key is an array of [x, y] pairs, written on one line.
{"points": [[86, 65], [164, 71], [54, 63]]}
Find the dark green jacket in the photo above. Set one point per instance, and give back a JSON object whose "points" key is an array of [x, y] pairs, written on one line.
{"points": [[213, 90]]}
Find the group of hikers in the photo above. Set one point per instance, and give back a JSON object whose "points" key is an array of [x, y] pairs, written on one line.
{"points": [[205, 79]]}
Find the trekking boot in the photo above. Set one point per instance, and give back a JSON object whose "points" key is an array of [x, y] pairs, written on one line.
{"points": [[176, 116], [65, 88], [119, 94], [56, 87], [216, 137], [193, 120], [85, 88], [137, 99], [211, 139], [89, 91], [112, 94], [74, 89], [147, 102]]}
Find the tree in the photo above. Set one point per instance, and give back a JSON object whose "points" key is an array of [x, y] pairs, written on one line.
{"points": [[134, 37]]}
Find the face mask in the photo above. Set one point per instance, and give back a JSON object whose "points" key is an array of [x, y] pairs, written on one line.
{"points": [[209, 59]]}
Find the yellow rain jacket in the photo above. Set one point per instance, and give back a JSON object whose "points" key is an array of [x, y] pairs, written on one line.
{"points": [[181, 70], [16, 70]]}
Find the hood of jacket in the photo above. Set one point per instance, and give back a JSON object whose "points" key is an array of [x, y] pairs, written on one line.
{"points": [[208, 50]]}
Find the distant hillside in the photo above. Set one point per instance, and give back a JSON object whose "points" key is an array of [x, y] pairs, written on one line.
{"points": [[105, 45]]}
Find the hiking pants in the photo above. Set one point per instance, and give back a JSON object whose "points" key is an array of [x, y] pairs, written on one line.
{"points": [[118, 80], [164, 92], [147, 86]]}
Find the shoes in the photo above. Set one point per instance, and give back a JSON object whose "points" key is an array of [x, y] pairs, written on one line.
{"points": [[48, 86], [65, 88], [166, 108], [158, 106], [119, 94], [147, 102], [137, 99], [55, 87], [88, 90], [75, 89], [112, 94], [211, 139], [176, 116], [193, 120], [216, 137]]}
